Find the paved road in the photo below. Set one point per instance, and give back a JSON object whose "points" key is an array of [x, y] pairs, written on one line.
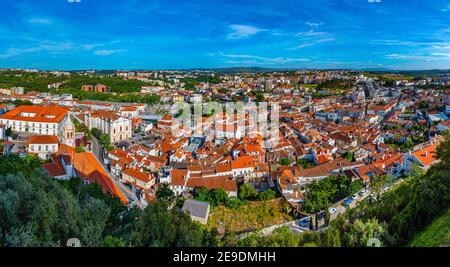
{"points": [[340, 209], [97, 150]]}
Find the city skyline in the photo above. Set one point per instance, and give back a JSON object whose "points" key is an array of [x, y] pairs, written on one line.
{"points": [[81, 34]]}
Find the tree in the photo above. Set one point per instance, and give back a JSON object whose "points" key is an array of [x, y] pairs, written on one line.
{"points": [[164, 192], [358, 233], [355, 187], [285, 161], [304, 163], [246, 191], [37, 210], [94, 216], [104, 140], [378, 182], [267, 195], [233, 203], [112, 241], [259, 97], [80, 148], [219, 196], [316, 202], [350, 156], [159, 227], [8, 132], [96, 132], [203, 194]]}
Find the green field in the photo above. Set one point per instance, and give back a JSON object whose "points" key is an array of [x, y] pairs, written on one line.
{"points": [[437, 234]]}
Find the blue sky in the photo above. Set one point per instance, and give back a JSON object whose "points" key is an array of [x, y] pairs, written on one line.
{"points": [[156, 34]]}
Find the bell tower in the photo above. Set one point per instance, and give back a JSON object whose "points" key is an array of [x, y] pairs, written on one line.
{"points": [[68, 132]]}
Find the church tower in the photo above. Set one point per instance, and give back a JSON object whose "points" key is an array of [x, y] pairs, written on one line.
{"points": [[68, 133]]}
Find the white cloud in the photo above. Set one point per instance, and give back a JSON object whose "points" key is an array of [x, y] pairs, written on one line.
{"points": [[244, 56], [253, 59], [312, 37], [410, 57], [313, 24], [313, 42], [49, 47], [241, 31], [311, 33], [90, 46], [43, 21], [374, 1], [74, 1], [441, 54], [107, 52]]}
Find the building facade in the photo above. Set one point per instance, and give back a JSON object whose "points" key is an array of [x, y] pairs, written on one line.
{"points": [[118, 128], [41, 120]]}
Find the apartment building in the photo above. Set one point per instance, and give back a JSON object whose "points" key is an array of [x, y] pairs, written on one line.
{"points": [[99, 88]]}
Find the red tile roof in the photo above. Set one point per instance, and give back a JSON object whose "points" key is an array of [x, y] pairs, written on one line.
{"points": [[88, 168], [426, 155], [43, 139], [224, 182], [142, 176], [51, 114]]}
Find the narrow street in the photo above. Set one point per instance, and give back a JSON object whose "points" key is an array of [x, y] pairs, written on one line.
{"points": [[340, 208], [97, 150]]}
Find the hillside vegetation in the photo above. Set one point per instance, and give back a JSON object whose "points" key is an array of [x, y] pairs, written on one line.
{"points": [[437, 234]]}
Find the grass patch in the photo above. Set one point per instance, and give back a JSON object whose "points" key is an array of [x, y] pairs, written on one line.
{"points": [[437, 234], [250, 217], [309, 85]]}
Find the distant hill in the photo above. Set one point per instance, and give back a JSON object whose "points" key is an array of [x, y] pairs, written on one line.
{"points": [[377, 69], [232, 70]]}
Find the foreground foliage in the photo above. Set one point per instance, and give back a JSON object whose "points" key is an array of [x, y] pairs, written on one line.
{"points": [[37, 210]]}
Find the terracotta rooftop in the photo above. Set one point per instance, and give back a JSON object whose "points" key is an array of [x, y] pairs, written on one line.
{"points": [[43, 139], [51, 114]]}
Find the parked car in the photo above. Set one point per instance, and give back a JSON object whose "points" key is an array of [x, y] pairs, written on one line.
{"points": [[355, 196], [347, 201], [363, 192], [332, 210], [304, 222]]}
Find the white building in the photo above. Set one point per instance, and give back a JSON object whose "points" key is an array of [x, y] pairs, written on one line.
{"points": [[41, 120], [43, 145], [115, 126]]}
